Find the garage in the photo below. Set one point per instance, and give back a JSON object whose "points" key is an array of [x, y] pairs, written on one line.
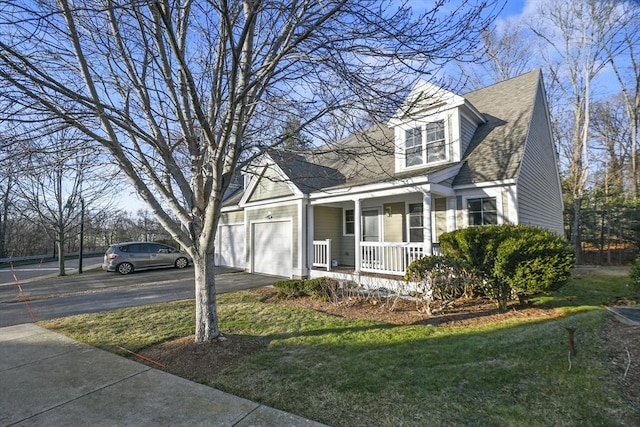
{"points": [[272, 248], [230, 246]]}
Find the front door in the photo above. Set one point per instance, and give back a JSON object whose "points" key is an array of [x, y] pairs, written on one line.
{"points": [[370, 226], [371, 257]]}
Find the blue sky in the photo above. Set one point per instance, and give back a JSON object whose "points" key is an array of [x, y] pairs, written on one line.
{"points": [[513, 8]]}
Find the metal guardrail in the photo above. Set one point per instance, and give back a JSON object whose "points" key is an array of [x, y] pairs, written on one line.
{"points": [[42, 258]]}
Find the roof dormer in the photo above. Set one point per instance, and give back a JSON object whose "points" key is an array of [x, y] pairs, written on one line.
{"points": [[433, 127]]}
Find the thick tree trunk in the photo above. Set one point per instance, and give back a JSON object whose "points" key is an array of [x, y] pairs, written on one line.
{"points": [[61, 271], [206, 310]]}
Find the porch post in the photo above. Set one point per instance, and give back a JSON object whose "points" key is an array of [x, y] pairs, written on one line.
{"points": [[310, 237], [357, 234], [426, 214], [452, 208]]}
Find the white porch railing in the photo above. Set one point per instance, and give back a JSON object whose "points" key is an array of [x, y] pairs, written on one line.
{"points": [[389, 257], [322, 253], [377, 257]]}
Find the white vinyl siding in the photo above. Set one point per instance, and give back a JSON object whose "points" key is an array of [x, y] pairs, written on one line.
{"points": [[270, 186], [539, 193], [440, 217], [393, 222], [467, 129]]}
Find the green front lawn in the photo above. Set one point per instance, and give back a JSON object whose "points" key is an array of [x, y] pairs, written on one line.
{"points": [[360, 373]]}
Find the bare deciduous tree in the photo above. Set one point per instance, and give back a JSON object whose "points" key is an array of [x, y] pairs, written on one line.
{"points": [[626, 66], [610, 135], [7, 184], [181, 92], [507, 53], [57, 182]]}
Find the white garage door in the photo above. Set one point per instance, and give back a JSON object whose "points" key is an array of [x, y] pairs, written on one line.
{"points": [[230, 246], [272, 248]]}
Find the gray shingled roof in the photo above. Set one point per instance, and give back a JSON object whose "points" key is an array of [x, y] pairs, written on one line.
{"points": [[307, 176], [497, 146], [364, 157], [494, 153]]}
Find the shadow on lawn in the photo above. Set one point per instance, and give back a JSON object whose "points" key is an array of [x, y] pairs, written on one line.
{"points": [[329, 331]]}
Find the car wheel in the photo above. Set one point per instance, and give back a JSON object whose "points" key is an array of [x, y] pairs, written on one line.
{"points": [[181, 263], [125, 268]]}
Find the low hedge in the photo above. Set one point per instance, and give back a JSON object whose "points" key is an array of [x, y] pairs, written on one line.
{"points": [[321, 287]]}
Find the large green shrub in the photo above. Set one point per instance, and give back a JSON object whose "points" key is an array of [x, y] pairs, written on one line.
{"points": [[512, 259], [534, 260]]}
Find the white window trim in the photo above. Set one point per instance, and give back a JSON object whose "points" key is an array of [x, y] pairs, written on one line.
{"points": [[423, 151], [450, 118], [344, 222], [496, 194]]}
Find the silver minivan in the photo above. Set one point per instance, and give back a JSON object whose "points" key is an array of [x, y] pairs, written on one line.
{"points": [[132, 256]]}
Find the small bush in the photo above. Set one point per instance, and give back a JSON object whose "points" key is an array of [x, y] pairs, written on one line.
{"points": [[321, 287], [286, 289], [441, 280]]}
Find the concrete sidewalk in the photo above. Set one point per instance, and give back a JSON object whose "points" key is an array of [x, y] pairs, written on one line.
{"points": [[49, 379]]}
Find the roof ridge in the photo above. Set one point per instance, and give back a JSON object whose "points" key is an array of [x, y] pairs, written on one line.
{"points": [[535, 70]]}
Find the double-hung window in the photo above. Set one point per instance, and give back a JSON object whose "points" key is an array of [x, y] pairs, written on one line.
{"points": [[482, 211], [416, 223], [435, 144], [349, 222], [431, 148], [413, 147]]}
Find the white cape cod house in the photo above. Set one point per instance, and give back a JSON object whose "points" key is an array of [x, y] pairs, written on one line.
{"points": [[375, 201]]}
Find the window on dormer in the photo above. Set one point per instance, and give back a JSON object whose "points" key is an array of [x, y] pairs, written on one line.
{"points": [[436, 145], [430, 149]]}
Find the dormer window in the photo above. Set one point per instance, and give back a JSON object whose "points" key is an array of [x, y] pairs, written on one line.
{"points": [[413, 147], [431, 148], [435, 144]]}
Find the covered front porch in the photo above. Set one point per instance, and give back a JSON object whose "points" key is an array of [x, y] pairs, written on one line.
{"points": [[380, 235]]}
